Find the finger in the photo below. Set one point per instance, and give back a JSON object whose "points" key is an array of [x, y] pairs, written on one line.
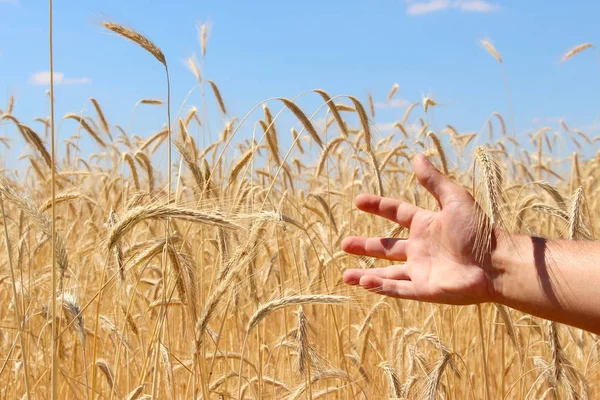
{"points": [[436, 183], [388, 287], [386, 248], [396, 272], [392, 209]]}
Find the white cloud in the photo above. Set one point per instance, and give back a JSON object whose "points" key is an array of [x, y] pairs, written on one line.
{"points": [[394, 103], [388, 127], [43, 78], [426, 7], [546, 120], [475, 6], [420, 7]]}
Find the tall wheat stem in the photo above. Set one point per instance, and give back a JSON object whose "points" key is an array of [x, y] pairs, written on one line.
{"points": [[21, 321], [54, 370]]}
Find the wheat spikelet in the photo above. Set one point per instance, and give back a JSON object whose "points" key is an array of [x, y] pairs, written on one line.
{"points": [[24, 203], [576, 50], [371, 105], [37, 142], [151, 102], [325, 153], [158, 136], [86, 127], [576, 227], [428, 102], [408, 111], [344, 108], [364, 121], [335, 110], [226, 275], [435, 377], [575, 180], [65, 197], [513, 334], [393, 91], [145, 161], [203, 31], [274, 305], [218, 97], [11, 104], [192, 115], [502, 123], [130, 321], [135, 393], [117, 250], [241, 163], [264, 379], [166, 361], [129, 160], [565, 376], [492, 50], [36, 168], [440, 150], [376, 171], [72, 311], [173, 301], [401, 128], [101, 117], [302, 342], [489, 196], [138, 214], [108, 373], [192, 65], [191, 161], [320, 376], [272, 141], [395, 387], [304, 119], [137, 38]]}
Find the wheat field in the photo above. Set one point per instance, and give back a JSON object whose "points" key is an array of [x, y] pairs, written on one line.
{"points": [[217, 273]]}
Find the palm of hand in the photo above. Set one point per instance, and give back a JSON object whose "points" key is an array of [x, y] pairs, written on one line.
{"points": [[439, 262]]}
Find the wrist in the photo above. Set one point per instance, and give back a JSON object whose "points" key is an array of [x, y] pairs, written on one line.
{"points": [[500, 266]]}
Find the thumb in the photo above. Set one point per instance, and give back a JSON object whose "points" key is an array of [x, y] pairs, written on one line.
{"points": [[436, 183]]}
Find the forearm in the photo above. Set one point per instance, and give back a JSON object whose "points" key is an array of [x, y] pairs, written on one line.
{"points": [[552, 279]]}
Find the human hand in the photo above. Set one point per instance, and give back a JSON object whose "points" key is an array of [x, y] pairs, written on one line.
{"points": [[439, 258]]}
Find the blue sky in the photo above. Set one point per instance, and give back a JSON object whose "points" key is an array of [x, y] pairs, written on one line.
{"points": [[265, 49]]}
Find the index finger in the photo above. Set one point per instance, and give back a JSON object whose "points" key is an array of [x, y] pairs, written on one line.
{"points": [[386, 207]]}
